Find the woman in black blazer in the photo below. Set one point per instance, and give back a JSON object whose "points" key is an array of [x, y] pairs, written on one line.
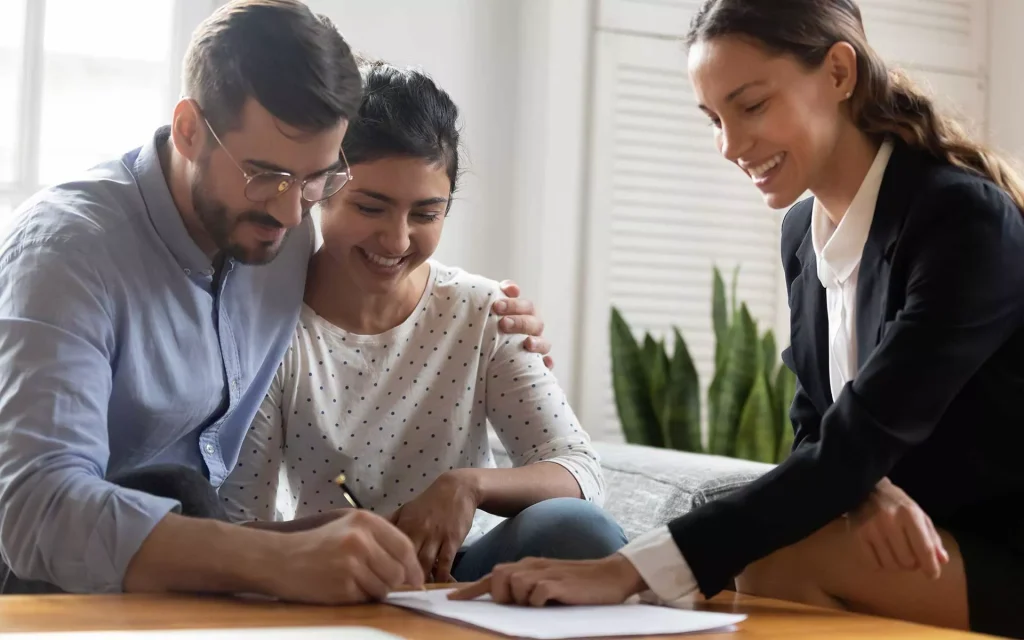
{"points": [[903, 492]]}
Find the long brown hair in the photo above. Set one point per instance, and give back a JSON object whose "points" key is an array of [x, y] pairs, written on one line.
{"points": [[884, 102]]}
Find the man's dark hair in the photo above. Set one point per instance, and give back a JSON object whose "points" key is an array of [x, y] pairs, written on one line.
{"points": [[294, 63]]}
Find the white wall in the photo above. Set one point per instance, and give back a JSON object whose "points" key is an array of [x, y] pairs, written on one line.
{"points": [[554, 95]]}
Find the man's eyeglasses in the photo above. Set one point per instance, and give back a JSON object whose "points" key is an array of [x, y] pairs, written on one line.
{"points": [[267, 185]]}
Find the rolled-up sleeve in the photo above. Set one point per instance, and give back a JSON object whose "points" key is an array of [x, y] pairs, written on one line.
{"points": [[60, 520]]}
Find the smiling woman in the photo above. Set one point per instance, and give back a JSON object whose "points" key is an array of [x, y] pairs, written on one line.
{"points": [[359, 228]]}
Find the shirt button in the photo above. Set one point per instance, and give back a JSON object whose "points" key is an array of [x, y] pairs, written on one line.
{"points": [[209, 448], [188, 272]]}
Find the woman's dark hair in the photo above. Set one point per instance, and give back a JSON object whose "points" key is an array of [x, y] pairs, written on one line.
{"points": [[404, 113], [884, 102], [290, 60]]}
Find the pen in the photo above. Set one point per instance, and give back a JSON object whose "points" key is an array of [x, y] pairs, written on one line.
{"points": [[340, 481]]}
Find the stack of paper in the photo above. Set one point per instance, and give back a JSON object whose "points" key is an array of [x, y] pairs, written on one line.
{"points": [[551, 623]]}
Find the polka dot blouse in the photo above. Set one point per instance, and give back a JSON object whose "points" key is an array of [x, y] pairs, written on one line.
{"points": [[394, 411]]}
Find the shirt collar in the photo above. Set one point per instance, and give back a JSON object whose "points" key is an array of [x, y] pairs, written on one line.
{"points": [[161, 208], [838, 248]]}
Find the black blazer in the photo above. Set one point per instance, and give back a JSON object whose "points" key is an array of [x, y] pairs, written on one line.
{"points": [[937, 404]]}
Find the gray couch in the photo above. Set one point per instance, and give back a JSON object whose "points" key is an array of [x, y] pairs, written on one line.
{"points": [[647, 487]]}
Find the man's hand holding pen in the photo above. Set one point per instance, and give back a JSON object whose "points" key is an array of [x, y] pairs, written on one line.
{"points": [[357, 557]]}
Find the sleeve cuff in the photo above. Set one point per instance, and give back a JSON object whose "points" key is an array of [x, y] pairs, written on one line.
{"points": [[659, 562], [123, 526], [585, 478]]}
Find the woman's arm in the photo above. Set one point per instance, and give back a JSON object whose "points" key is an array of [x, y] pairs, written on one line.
{"points": [[506, 492], [534, 421]]}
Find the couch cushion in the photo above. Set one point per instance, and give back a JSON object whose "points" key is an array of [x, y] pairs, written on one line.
{"points": [[647, 487]]}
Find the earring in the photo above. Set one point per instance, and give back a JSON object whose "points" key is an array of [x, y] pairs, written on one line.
{"points": [[849, 94]]}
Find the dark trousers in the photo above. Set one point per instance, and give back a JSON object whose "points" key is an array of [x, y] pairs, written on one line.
{"points": [[190, 487]]}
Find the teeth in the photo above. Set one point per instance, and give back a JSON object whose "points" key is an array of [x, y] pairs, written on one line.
{"points": [[381, 260], [760, 170]]}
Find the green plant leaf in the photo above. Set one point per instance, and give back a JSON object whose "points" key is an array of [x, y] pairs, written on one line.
{"points": [[755, 439], [732, 383], [657, 366], [682, 400], [785, 444], [650, 351], [769, 353], [785, 389], [630, 384], [719, 316]]}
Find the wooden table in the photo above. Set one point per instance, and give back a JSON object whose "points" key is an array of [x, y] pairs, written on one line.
{"points": [[767, 618]]}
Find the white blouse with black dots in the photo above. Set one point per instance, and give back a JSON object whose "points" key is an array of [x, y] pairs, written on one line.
{"points": [[393, 411]]}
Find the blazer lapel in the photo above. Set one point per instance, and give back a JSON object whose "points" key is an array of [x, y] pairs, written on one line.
{"points": [[894, 200], [810, 326]]}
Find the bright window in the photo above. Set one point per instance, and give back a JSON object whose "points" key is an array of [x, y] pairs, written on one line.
{"points": [[80, 83], [105, 86], [10, 61]]}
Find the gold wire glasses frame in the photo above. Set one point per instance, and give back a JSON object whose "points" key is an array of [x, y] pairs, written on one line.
{"points": [[267, 185]]}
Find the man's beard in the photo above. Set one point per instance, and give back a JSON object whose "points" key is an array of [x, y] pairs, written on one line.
{"points": [[214, 217]]}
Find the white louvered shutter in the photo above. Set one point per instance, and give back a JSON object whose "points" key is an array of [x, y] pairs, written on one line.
{"points": [[932, 34], [649, 17], [664, 208], [942, 44]]}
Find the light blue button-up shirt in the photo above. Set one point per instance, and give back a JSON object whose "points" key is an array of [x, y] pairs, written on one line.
{"points": [[120, 348]]}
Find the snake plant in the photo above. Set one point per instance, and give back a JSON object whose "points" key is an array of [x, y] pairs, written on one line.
{"points": [[658, 392]]}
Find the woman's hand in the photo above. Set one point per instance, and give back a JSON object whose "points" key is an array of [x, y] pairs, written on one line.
{"points": [[896, 534], [537, 582], [438, 520]]}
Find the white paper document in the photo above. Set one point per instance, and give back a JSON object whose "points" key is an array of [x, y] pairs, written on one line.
{"points": [[550, 623], [263, 633]]}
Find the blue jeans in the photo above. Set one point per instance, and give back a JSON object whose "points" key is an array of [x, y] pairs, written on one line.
{"points": [[561, 528]]}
